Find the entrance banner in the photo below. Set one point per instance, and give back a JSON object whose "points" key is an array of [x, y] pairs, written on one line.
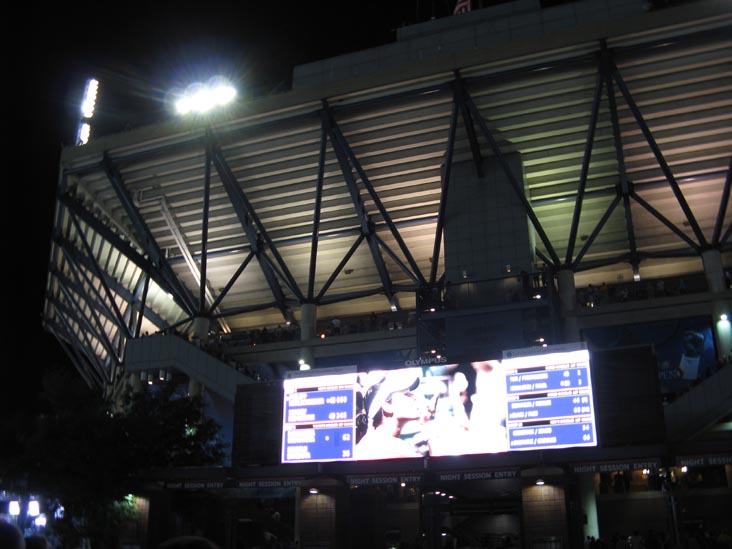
{"points": [[703, 461], [612, 466]]}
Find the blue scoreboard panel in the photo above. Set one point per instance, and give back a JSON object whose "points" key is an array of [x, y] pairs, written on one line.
{"points": [[319, 419], [549, 401]]}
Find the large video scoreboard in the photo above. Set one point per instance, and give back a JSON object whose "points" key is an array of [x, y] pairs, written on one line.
{"points": [[532, 399]]}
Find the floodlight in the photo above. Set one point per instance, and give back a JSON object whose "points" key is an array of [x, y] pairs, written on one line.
{"points": [[539, 482], [14, 508], [201, 98], [34, 509], [84, 132], [90, 98]]}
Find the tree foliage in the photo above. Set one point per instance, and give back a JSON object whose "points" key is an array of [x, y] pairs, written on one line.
{"points": [[89, 453]]}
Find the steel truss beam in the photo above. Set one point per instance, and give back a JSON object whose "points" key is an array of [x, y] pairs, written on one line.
{"points": [[723, 209], [367, 226], [97, 328], [624, 185], [145, 237], [445, 187], [338, 138], [100, 276], [657, 152], [589, 142], [255, 232], [115, 286]]}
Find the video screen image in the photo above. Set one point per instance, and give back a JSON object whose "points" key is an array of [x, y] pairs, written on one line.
{"points": [[522, 402]]}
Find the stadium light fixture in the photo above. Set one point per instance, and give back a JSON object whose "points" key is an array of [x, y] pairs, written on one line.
{"points": [[200, 98], [88, 104], [90, 98], [14, 508], [34, 508]]}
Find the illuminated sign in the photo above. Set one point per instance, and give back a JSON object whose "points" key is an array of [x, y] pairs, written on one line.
{"points": [[523, 402]]}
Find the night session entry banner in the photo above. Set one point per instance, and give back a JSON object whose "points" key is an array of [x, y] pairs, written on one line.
{"points": [[527, 401]]}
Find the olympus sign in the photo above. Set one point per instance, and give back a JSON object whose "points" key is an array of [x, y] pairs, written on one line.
{"points": [[422, 361]]}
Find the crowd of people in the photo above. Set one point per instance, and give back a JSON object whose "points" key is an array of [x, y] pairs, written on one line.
{"points": [[693, 537]]}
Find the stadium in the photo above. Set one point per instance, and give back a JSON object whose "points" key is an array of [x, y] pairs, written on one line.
{"points": [[495, 191]]}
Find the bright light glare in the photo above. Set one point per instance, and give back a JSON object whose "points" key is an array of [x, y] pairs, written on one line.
{"points": [[200, 98], [14, 508], [84, 132], [40, 521], [34, 509], [90, 98]]}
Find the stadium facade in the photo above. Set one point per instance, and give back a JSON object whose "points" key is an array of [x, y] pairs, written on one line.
{"points": [[521, 176]]}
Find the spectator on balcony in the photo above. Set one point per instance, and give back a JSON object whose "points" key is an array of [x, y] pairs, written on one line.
{"points": [[335, 326]]}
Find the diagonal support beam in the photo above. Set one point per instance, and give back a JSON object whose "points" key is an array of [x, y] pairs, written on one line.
{"points": [[513, 182], [231, 282], [396, 258], [596, 231], [248, 220], [337, 137], [202, 290], [145, 237], [143, 302], [655, 213], [340, 267], [124, 248], [76, 353], [605, 67], [459, 97], [367, 226], [100, 276], [316, 212], [74, 310], [723, 206], [589, 142], [445, 187], [657, 153], [69, 249]]}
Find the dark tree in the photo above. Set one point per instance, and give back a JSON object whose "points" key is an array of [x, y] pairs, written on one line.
{"points": [[90, 453]]}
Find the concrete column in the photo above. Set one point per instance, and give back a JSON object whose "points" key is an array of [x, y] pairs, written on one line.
{"points": [[195, 388], [308, 321], [201, 326], [133, 380], [568, 302], [712, 261], [588, 500]]}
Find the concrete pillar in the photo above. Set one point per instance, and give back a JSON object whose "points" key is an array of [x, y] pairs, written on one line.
{"points": [[201, 326], [712, 261], [195, 388], [308, 321], [588, 500], [568, 303], [133, 380]]}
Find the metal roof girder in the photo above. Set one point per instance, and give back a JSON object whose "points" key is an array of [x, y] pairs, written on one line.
{"points": [[645, 130], [247, 219], [146, 238]]}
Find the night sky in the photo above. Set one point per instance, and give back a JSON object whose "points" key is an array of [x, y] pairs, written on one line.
{"points": [[138, 52]]}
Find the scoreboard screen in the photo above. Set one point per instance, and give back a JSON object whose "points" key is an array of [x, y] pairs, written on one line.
{"points": [[532, 399]]}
